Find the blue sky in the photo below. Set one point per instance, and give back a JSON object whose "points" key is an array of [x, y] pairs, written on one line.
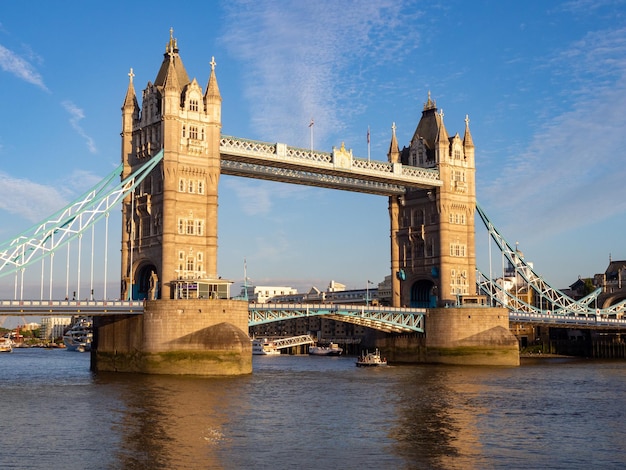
{"points": [[542, 82]]}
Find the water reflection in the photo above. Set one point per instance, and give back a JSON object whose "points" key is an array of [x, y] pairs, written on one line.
{"points": [[295, 412], [436, 425], [168, 421]]}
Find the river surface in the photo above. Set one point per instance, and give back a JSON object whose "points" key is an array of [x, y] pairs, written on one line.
{"points": [[312, 412]]}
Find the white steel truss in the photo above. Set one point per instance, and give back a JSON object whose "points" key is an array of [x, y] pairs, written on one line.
{"points": [[388, 319], [551, 300], [45, 238], [282, 343]]}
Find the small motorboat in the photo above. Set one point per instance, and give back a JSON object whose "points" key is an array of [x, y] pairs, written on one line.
{"points": [[368, 359], [6, 344], [264, 347], [331, 350]]}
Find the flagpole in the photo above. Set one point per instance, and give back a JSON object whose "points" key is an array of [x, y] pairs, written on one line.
{"points": [[368, 143], [311, 127]]}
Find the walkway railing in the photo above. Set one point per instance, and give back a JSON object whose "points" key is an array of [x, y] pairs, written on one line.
{"points": [[70, 307], [337, 169], [569, 321]]}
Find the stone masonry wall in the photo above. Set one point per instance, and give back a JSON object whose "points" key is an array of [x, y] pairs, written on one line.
{"points": [[191, 337]]}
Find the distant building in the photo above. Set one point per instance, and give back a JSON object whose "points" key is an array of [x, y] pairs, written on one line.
{"points": [[335, 286], [264, 294], [336, 293], [384, 291], [53, 327], [613, 279]]}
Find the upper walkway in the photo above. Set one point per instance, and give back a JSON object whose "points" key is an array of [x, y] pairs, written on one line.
{"points": [[337, 169]]}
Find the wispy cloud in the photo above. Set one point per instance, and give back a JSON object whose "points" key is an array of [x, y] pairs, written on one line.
{"points": [[20, 67], [35, 201], [563, 179], [77, 115], [32, 201], [311, 60]]}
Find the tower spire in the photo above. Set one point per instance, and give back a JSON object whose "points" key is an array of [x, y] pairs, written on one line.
{"points": [[442, 133], [212, 89], [394, 153], [130, 101], [467, 137], [430, 104]]}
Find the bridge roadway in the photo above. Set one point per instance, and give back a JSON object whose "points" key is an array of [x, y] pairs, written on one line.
{"points": [[388, 319]]}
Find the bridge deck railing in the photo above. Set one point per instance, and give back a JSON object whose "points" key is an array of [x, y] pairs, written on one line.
{"points": [[70, 307]]}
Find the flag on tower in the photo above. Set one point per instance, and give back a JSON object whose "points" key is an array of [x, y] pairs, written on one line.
{"points": [[368, 143], [311, 123]]}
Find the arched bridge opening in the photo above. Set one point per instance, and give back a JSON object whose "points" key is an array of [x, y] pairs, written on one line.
{"points": [[423, 294]]}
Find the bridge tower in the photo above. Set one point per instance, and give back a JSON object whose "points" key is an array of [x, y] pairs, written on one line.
{"points": [[169, 233], [432, 231]]}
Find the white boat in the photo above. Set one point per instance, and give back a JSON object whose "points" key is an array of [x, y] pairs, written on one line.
{"points": [[79, 336], [264, 347], [6, 344], [369, 359], [332, 349]]}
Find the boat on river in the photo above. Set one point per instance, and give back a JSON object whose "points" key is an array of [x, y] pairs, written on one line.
{"points": [[79, 336], [332, 349], [264, 347], [368, 359], [6, 344]]}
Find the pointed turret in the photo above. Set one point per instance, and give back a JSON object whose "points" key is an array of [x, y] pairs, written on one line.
{"points": [[430, 128], [394, 152], [130, 115], [171, 80], [172, 64], [130, 101], [212, 90], [467, 137], [442, 133]]}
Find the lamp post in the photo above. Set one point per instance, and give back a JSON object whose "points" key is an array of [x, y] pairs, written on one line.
{"points": [[367, 292]]}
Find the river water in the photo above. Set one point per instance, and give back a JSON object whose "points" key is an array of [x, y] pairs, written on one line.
{"points": [[312, 412]]}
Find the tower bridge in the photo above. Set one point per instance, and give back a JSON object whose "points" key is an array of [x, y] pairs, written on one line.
{"points": [[173, 153]]}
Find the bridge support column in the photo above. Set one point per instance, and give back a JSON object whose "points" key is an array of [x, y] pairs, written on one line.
{"points": [[459, 336], [177, 337]]}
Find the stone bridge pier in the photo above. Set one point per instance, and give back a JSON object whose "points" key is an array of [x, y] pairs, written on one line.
{"points": [[178, 337]]}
